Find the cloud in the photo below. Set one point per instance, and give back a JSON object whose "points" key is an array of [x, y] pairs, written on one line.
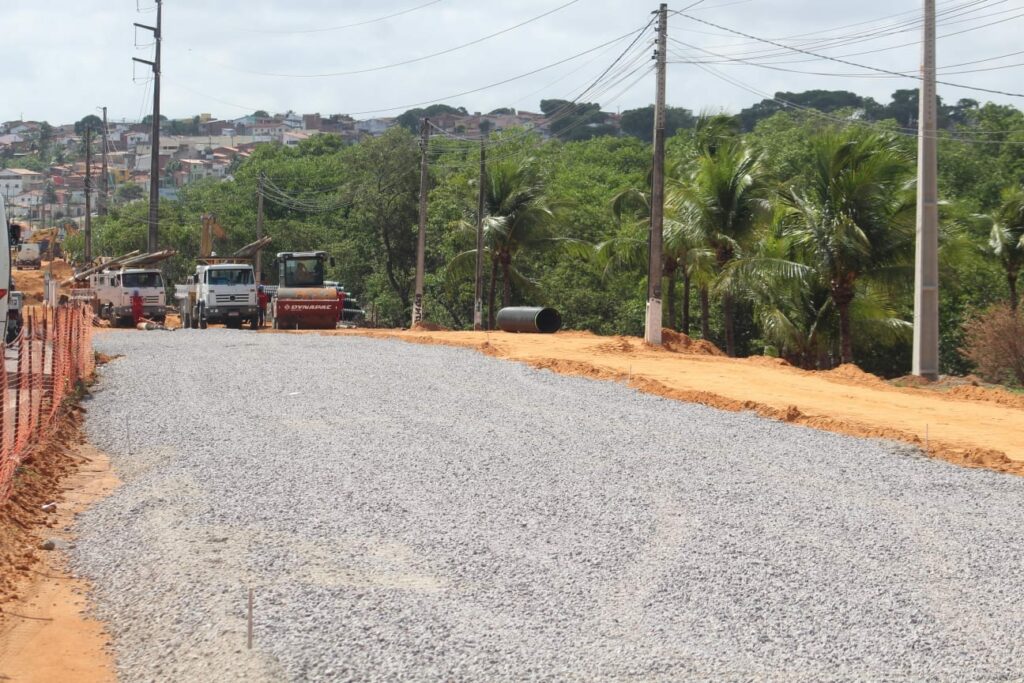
{"points": [[65, 58]]}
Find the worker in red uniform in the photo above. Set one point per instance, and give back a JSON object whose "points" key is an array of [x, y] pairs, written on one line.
{"points": [[341, 305], [261, 303], [136, 307]]}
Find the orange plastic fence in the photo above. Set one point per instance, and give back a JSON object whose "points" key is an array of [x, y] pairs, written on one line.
{"points": [[42, 367]]}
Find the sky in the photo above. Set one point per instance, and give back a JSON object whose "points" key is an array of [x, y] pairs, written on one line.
{"points": [[62, 59]]}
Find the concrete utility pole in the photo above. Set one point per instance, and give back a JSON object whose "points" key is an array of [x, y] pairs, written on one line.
{"points": [[653, 321], [259, 228], [926, 272], [154, 166], [88, 193], [104, 181], [421, 244], [478, 296]]}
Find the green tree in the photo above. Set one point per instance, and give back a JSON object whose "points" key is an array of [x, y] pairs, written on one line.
{"points": [[1006, 239], [854, 220], [724, 199], [640, 122], [518, 218]]}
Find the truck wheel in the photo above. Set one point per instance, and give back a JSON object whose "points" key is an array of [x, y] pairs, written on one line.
{"points": [[203, 324], [254, 323]]}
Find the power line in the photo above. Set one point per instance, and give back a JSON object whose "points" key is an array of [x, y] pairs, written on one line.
{"points": [[414, 60], [367, 22], [849, 63], [407, 106]]}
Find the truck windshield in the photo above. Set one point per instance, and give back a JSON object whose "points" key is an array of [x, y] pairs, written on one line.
{"points": [[300, 272], [234, 276], [142, 280]]}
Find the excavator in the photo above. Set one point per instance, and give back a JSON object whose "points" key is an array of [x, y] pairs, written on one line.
{"points": [[301, 301]]}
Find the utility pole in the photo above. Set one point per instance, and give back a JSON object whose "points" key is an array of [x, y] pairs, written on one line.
{"points": [[259, 228], [421, 244], [653, 321], [926, 270], [478, 296], [88, 194], [154, 166], [104, 181]]}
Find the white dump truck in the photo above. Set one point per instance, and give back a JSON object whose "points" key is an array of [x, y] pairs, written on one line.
{"points": [[219, 292], [113, 291], [28, 255]]}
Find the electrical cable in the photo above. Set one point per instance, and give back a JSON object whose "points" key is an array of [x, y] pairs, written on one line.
{"points": [[849, 63], [345, 26], [405, 62]]}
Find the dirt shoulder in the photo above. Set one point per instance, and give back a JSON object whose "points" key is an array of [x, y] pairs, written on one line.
{"points": [[45, 632], [976, 427]]}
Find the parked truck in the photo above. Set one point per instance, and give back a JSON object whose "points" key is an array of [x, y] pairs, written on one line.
{"points": [[28, 255], [301, 300], [110, 285], [220, 291]]}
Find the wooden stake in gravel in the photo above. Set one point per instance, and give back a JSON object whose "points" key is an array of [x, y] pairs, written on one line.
{"points": [[249, 633]]}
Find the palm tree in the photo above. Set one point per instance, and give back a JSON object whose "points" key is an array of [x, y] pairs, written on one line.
{"points": [[853, 218], [724, 199], [1006, 238], [518, 218], [683, 253]]}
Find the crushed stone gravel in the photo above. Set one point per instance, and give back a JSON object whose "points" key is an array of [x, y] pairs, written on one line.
{"points": [[407, 512]]}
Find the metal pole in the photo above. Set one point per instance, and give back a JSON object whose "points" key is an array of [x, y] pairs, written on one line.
{"points": [[653, 321], [104, 181], [421, 244], [259, 228], [478, 297], [88, 194], [926, 272]]}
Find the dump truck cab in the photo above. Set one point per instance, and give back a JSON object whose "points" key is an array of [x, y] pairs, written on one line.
{"points": [[219, 292], [113, 291], [301, 300]]}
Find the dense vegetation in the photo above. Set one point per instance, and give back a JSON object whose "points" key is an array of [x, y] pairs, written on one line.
{"points": [[787, 232]]}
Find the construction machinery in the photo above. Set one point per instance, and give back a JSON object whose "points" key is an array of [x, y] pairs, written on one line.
{"points": [[222, 289], [112, 284], [302, 301]]}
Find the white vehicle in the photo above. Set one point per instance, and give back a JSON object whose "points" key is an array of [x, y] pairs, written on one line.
{"points": [[219, 292], [28, 256], [5, 266], [113, 290]]}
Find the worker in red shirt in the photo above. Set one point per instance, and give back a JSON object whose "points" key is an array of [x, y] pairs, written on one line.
{"points": [[136, 308], [261, 303], [341, 305]]}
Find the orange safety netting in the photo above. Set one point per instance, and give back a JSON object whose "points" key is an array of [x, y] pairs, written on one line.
{"points": [[42, 367]]}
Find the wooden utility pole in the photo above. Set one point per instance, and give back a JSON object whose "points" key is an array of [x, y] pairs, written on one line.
{"points": [[478, 295], [653, 320], [421, 243], [88, 193], [104, 181], [926, 271], [154, 165], [259, 228]]}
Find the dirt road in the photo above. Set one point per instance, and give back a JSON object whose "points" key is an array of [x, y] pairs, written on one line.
{"points": [[969, 425]]}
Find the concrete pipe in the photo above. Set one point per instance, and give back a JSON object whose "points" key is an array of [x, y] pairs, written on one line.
{"points": [[528, 319]]}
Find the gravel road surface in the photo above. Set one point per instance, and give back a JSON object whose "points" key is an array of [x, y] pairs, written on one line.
{"points": [[407, 512]]}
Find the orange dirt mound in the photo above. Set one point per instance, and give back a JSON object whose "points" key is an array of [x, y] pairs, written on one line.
{"points": [[424, 326], [769, 361], [1000, 396], [849, 371], [618, 345], [30, 282], [682, 343]]}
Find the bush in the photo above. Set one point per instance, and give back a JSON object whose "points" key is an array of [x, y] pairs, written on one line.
{"points": [[994, 342]]}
